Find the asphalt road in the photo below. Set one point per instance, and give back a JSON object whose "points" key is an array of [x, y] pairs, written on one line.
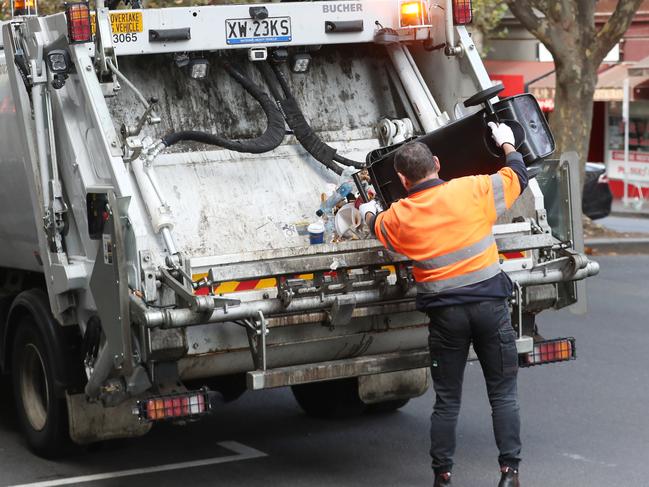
{"points": [[584, 423]]}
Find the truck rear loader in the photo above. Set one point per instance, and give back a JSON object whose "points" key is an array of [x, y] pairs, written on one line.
{"points": [[158, 174]]}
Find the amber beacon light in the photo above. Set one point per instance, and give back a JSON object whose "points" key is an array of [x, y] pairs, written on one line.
{"points": [[411, 14], [23, 7]]}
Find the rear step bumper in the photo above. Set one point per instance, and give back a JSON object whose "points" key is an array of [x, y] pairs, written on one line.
{"points": [[338, 369], [352, 367]]}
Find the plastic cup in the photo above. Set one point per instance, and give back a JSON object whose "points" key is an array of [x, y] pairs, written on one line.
{"points": [[316, 233], [348, 219]]}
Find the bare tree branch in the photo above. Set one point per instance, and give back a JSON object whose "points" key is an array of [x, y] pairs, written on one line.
{"points": [[525, 14], [615, 28], [550, 32]]}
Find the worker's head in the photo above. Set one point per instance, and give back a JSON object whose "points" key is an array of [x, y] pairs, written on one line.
{"points": [[414, 162]]}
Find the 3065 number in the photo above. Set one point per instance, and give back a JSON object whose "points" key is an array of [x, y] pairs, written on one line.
{"points": [[122, 38]]}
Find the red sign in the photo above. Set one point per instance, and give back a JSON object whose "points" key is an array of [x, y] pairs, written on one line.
{"points": [[634, 156], [514, 83], [637, 175], [546, 104]]}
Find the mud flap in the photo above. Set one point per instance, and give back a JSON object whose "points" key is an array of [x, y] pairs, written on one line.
{"points": [[392, 386], [91, 422]]}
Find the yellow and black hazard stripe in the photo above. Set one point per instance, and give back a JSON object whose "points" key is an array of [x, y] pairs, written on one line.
{"points": [[513, 256], [255, 284]]}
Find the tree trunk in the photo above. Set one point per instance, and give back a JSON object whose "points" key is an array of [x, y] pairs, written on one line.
{"points": [[573, 112]]}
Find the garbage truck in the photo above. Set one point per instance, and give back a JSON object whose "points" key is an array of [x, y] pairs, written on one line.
{"points": [[159, 172]]}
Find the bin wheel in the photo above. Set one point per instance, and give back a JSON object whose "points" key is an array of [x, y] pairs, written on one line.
{"points": [[42, 415], [337, 399]]}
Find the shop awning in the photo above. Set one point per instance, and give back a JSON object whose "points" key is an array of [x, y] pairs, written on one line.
{"points": [[539, 79]]}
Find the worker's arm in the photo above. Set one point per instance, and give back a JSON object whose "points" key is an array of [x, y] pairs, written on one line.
{"points": [[506, 185], [382, 224], [514, 161]]}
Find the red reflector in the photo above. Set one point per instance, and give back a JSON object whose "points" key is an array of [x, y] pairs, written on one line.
{"points": [[462, 12], [78, 16], [549, 351], [190, 404]]}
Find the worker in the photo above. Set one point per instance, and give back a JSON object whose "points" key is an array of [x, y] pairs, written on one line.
{"points": [[446, 229]]}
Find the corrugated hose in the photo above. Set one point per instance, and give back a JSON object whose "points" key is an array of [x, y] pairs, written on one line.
{"points": [[295, 119], [268, 141]]}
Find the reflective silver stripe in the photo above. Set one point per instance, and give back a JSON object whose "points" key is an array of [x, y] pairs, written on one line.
{"points": [[384, 232], [434, 287], [499, 193], [457, 255]]}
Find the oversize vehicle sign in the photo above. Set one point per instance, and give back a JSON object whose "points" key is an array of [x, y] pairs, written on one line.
{"points": [[125, 25], [249, 31]]}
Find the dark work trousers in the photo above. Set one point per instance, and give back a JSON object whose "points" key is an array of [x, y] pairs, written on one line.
{"points": [[487, 325]]}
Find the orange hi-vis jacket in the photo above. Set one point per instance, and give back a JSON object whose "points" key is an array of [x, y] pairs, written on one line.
{"points": [[446, 228]]}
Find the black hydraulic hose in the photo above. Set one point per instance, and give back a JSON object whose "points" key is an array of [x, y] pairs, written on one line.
{"points": [[268, 141], [271, 81], [305, 134], [307, 137], [22, 69]]}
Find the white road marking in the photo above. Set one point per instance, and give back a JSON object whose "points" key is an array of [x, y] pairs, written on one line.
{"points": [[243, 452], [580, 458]]}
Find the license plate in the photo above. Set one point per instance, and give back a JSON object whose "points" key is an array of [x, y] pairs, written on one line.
{"points": [[249, 31]]}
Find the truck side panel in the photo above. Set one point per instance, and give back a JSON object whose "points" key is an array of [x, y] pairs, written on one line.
{"points": [[18, 241]]}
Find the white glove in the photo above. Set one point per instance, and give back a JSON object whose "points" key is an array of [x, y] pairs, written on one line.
{"points": [[371, 207], [502, 134]]}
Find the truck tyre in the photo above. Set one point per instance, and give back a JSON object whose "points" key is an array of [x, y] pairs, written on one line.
{"points": [[337, 399], [42, 415], [386, 406]]}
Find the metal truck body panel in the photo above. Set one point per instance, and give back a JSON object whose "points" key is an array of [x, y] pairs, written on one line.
{"points": [[18, 240]]}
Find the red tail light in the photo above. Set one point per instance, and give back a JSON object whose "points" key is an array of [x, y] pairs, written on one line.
{"points": [[79, 23], [174, 406], [462, 12], [550, 351]]}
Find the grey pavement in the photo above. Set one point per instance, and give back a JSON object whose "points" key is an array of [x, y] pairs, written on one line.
{"points": [[584, 423], [637, 208], [625, 224]]}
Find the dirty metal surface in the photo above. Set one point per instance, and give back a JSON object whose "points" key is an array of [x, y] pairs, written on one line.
{"points": [[224, 202], [300, 345], [344, 89], [339, 369]]}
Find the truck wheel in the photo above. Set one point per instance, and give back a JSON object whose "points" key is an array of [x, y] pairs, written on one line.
{"points": [[335, 399], [41, 414], [386, 406]]}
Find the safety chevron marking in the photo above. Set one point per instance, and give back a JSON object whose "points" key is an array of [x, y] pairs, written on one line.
{"points": [[252, 285], [513, 255]]}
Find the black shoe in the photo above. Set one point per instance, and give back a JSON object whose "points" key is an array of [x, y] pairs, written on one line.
{"points": [[443, 480], [509, 477]]}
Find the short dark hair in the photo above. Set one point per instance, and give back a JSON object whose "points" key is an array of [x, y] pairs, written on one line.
{"points": [[415, 161]]}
